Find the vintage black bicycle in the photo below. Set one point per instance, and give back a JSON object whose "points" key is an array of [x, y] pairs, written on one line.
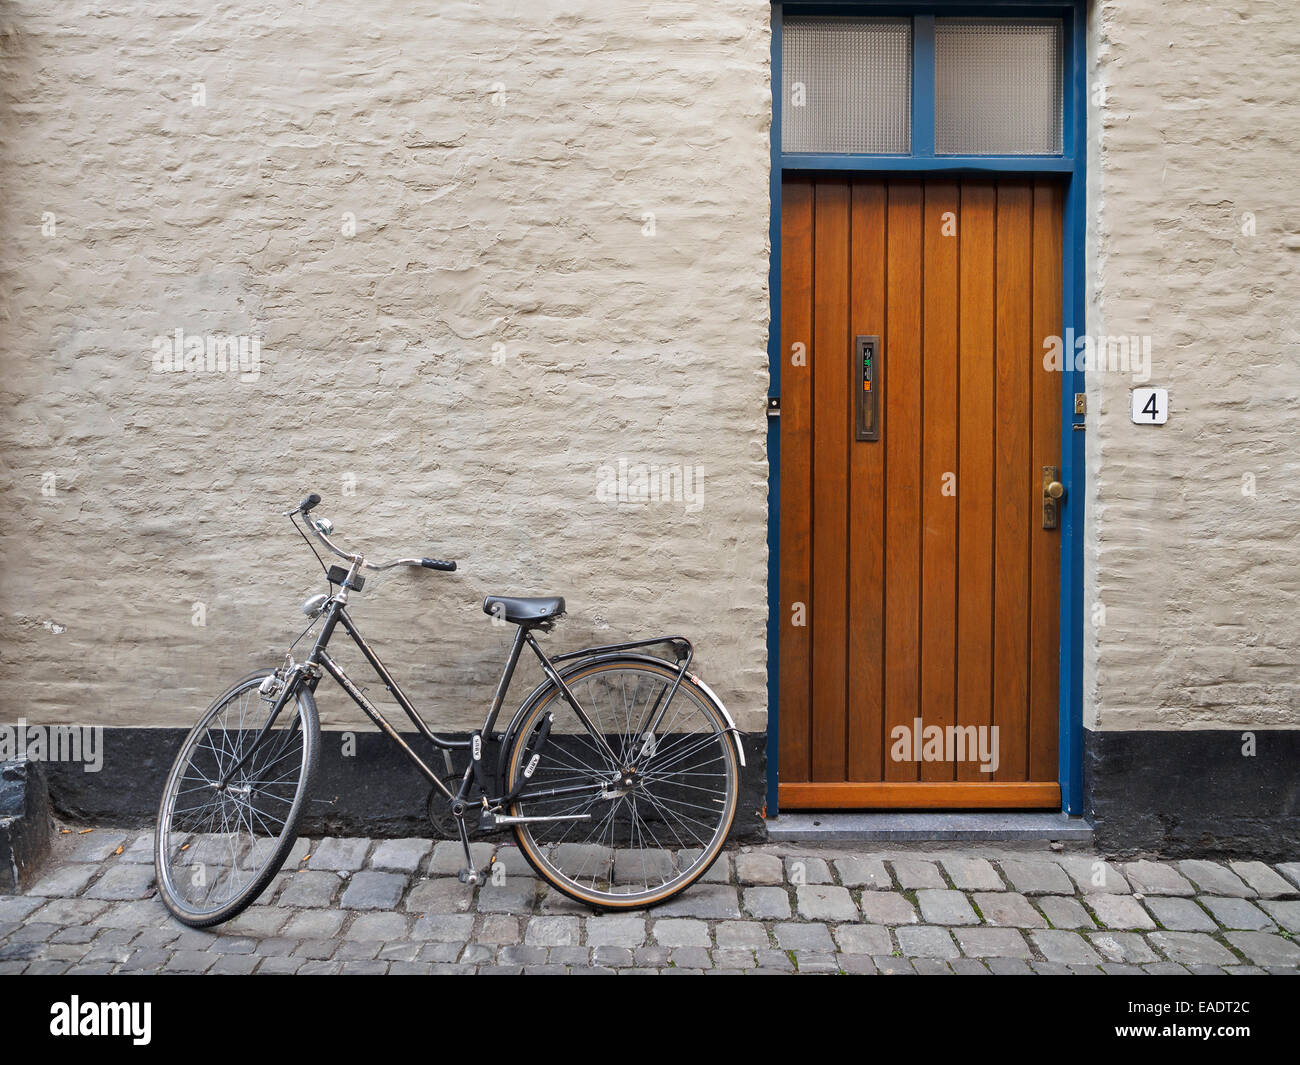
{"points": [[618, 774]]}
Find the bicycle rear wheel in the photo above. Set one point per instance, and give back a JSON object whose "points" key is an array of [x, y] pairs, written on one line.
{"points": [[637, 844], [217, 847]]}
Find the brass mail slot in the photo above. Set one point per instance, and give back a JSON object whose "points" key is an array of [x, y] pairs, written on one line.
{"points": [[868, 387]]}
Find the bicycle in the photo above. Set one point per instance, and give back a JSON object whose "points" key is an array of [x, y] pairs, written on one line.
{"points": [[621, 800]]}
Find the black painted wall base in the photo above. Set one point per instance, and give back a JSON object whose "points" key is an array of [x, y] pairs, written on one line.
{"points": [[1194, 794], [1175, 794], [373, 792]]}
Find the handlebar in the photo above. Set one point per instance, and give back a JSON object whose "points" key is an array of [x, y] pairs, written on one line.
{"points": [[310, 501]]}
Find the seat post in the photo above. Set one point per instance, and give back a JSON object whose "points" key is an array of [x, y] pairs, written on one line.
{"points": [[503, 685]]}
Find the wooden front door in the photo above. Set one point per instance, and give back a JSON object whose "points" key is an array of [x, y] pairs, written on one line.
{"points": [[919, 587]]}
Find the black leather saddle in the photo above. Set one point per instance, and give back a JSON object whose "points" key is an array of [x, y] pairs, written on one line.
{"points": [[524, 611]]}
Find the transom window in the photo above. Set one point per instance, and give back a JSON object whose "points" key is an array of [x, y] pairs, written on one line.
{"points": [[928, 86], [848, 85]]}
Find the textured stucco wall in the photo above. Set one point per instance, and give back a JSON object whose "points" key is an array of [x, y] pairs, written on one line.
{"points": [[500, 161], [1193, 545], [450, 378]]}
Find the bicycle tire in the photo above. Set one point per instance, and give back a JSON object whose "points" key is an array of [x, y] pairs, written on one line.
{"points": [[537, 851], [309, 721]]}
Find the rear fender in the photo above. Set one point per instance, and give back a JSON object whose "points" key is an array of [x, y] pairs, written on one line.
{"points": [[565, 670]]}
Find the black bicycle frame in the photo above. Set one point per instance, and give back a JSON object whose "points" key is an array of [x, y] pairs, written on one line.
{"points": [[319, 659], [337, 614]]}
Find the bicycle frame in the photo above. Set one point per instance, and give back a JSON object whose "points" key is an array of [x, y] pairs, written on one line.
{"points": [[319, 661]]}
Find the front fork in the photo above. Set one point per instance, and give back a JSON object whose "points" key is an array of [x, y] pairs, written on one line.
{"points": [[305, 673]]}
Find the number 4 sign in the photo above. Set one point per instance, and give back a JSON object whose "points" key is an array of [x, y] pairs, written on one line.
{"points": [[1150, 406]]}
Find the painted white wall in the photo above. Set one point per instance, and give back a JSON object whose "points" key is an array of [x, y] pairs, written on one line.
{"points": [[502, 162], [1193, 545]]}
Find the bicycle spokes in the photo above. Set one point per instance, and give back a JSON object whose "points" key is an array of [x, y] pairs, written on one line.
{"points": [[653, 813], [230, 803]]}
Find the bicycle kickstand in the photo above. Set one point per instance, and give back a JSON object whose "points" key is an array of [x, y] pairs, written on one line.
{"points": [[468, 875]]}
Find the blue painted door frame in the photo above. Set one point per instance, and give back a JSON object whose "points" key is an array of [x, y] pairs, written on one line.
{"points": [[1070, 166]]}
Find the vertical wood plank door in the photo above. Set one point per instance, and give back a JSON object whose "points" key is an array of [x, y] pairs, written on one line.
{"points": [[919, 588]]}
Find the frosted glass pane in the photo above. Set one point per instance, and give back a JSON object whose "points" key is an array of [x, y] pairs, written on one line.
{"points": [[997, 86], [846, 85]]}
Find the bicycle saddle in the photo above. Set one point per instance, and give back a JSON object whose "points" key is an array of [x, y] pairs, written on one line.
{"points": [[524, 611]]}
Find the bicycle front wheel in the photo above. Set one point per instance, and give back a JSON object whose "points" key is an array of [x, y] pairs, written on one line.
{"points": [[642, 816], [223, 835]]}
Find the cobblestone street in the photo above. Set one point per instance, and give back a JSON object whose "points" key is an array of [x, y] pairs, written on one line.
{"points": [[395, 906]]}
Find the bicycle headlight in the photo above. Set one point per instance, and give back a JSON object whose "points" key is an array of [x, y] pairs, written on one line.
{"points": [[313, 606]]}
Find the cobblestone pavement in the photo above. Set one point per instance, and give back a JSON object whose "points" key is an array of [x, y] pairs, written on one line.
{"points": [[395, 906]]}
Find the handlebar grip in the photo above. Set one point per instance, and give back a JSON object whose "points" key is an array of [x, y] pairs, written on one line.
{"points": [[437, 563], [308, 502]]}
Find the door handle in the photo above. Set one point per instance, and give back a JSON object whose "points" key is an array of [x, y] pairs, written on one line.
{"points": [[868, 382], [1053, 493]]}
